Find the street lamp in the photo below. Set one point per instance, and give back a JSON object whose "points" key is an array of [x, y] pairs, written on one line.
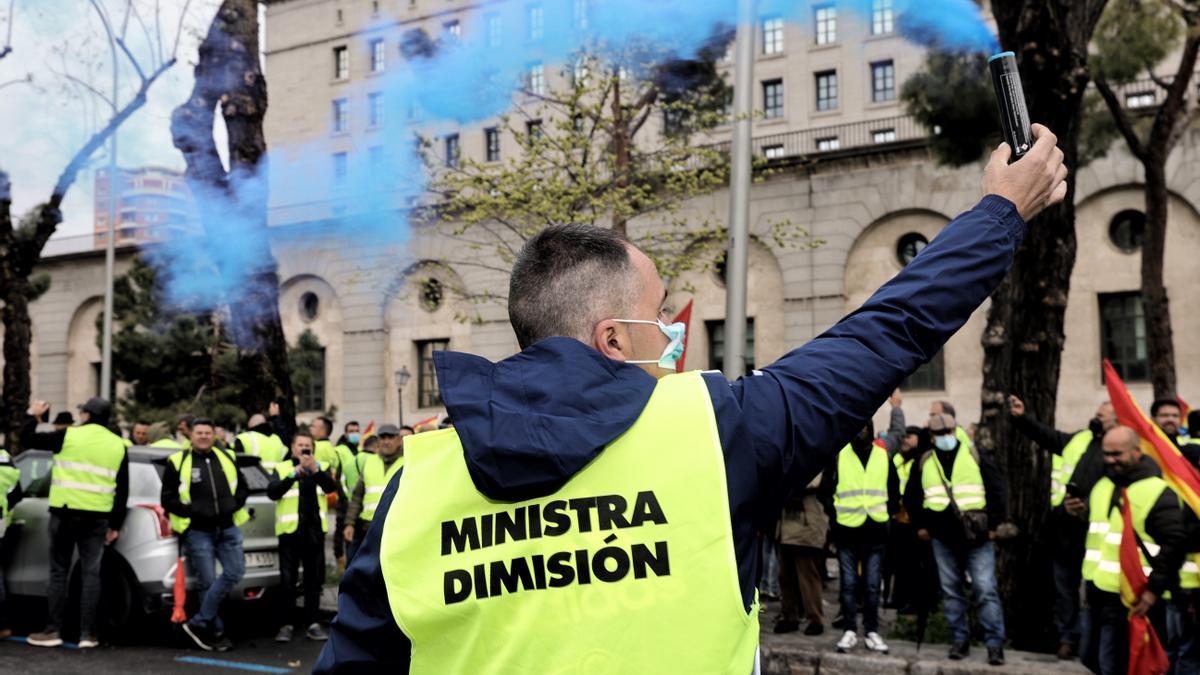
{"points": [[402, 378]]}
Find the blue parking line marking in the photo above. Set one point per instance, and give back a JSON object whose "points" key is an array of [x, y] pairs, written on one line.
{"points": [[22, 638], [235, 665]]}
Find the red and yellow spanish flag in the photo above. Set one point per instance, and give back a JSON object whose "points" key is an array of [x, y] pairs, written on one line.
{"points": [[368, 432], [1146, 653], [1184, 408], [1183, 478], [684, 317]]}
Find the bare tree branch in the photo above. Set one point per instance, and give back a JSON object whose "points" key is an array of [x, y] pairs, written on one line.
{"points": [[7, 48], [1121, 118], [136, 66], [28, 79]]}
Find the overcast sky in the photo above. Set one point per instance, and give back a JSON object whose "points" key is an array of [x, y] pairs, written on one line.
{"points": [[44, 123]]}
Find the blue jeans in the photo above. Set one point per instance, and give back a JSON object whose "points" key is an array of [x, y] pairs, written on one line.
{"points": [[203, 549], [770, 567], [871, 558], [1183, 633], [980, 562]]}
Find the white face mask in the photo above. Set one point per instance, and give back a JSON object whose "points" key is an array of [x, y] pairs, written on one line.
{"points": [[945, 442], [675, 335]]}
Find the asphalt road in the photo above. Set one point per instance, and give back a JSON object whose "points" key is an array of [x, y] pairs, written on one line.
{"points": [[259, 654]]}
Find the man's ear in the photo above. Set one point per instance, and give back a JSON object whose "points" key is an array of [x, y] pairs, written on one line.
{"points": [[610, 340]]}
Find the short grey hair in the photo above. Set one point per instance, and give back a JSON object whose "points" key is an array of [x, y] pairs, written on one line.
{"points": [[568, 278]]}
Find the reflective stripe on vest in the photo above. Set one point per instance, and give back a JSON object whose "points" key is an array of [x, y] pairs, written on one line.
{"points": [[268, 449], [861, 492], [375, 477], [1064, 465], [1143, 495], [287, 509], [965, 479], [84, 476], [628, 568], [182, 462]]}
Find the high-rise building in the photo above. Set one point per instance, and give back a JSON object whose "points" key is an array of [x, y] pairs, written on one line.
{"points": [[151, 203]]}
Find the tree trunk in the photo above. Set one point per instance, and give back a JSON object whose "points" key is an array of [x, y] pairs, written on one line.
{"points": [[1159, 347], [18, 336], [1024, 337], [228, 74]]}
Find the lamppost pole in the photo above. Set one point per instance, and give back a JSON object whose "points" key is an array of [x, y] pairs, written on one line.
{"points": [[736, 258], [402, 377]]}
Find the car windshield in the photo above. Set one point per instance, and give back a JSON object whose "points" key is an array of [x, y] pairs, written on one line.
{"points": [[35, 473], [145, 480]]}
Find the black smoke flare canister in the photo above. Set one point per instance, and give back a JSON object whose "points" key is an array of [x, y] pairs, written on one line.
{"points": [[1014, 116]]}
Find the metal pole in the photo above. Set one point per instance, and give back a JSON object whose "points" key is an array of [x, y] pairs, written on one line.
{"points": [[400, 406], [736, 259], [110, 249]]}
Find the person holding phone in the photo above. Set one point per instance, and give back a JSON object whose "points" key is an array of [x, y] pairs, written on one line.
{"points": [[299, 486], [1077, 461]]}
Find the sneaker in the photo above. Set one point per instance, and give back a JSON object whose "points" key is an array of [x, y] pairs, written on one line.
{"points": [[46, 638], [284, 634], [785, 626], [5, 633], [875, 643], [995, 656], [1066, 651], [317, 633], [221, 643], [959, 651], [201, 636], [814, 629], [848, 642], [88, 642]]}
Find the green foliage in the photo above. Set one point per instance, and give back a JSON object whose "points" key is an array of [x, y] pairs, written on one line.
{"points": [[1133, 37], [619, 144], [952, 94]]}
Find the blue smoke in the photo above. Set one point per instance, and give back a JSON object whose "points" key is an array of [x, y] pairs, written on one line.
{"points": [[448, 83]]}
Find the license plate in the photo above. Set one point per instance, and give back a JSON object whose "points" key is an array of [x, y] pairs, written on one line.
{"points": [[261, 559]]}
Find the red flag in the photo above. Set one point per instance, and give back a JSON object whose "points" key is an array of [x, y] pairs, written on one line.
{"points": [[178, 615], [684, 317], [1146, 653], [1179, 473], [1184, 408], [368, 432]]}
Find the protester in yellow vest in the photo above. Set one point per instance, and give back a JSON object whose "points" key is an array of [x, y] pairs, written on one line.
{"points": [[205, 497], [89, 488], [140, 433], [261, 441], [1158, 524], [377, 471], [953, 479], [299, 486], [1078, 462], [593, 511], [347, 452], [865, 493], [10, 494]]}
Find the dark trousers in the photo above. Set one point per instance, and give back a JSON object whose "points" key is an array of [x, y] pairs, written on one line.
{"points": [[69, 531], [870, 556], [1106, 638], [800, 582], [305, 548], [1068, 536], [339, 542], [910, 570], [1183, 632], [7, 544]]}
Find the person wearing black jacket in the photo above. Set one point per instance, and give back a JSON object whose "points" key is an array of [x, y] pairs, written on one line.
{"points": [[73, 525], [1125, 465], [207, 518], [933, 508], [301, 525], [1074, 474]]}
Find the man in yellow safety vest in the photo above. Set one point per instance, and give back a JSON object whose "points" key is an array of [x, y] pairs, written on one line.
{"points": [[10, 494], [377, 470]]}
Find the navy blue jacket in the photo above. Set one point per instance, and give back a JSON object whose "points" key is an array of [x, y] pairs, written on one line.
{"points": [[531, 422]]}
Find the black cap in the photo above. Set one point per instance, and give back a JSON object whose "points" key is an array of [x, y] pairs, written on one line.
{"points": [[98, 408], [64, 417]]}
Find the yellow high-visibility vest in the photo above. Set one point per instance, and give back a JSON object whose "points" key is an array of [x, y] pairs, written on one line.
{"points": [[182, 461], [287, 509], [861, 492], [84, 476], [375, 477], [965, 480]]}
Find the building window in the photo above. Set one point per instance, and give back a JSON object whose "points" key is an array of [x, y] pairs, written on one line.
{"points": [[341, 63], [772, 99], [716, 344], [908, 246], [494, 30], [428, 394], [1123, 335], [826, 22], [773, 152], [312, 388], [773, 36], [310, 306], [1128, 230], [883, 136], [828, 143], [827, 90], [883, 17], [536, 22], [378, 56], [929, 377], [432, 295], [452, 151], [579, 124], [375, 109], [537, 79], [340, 167], [452, 30], [883, 81], [534, 131], [1143, 99], [341, 115], [672, 121], [491, 142]]}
